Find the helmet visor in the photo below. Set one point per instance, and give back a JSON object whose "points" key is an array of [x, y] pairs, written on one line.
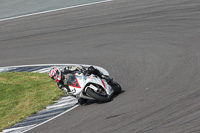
{"points": [[57, 75]]}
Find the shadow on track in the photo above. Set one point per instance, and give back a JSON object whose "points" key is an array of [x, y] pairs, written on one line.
{"points": [[90, 102]]}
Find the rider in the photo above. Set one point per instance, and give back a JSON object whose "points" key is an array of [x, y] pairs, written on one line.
{"points": [[62, 76]]}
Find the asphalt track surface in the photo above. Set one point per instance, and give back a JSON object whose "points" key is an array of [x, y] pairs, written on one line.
{"points": [[151, 47]]}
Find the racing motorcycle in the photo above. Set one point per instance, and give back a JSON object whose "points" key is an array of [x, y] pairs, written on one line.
{"points": [[91, 87]]}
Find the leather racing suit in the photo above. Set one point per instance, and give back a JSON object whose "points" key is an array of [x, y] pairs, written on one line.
{"points": [[68, 71]]}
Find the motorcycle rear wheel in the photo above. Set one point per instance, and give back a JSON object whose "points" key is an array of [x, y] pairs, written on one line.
{"points": [[82, 101], [98, 97]]}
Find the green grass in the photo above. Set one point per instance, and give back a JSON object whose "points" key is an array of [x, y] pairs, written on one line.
{"points": [[23, 94]]}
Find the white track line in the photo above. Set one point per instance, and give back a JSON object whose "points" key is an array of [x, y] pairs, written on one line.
{"points": [[51, 65], [18, 128], [43, 65], [52, 118], [55, 10], [44, 70]]}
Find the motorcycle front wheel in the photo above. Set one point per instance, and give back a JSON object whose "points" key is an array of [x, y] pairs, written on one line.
{"points": [[116, 87], [98, 97]]}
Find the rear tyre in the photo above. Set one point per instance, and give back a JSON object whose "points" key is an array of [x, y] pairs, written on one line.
{"points": [[98, 97], [82, 101], [116, 87]]}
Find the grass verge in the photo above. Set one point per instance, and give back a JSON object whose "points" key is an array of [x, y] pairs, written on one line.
{"points": [[23, 94]]}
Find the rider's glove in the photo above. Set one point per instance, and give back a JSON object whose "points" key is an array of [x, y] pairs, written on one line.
{"points": [[107, 78], [67, 91], [84, 71], [60, 85]]}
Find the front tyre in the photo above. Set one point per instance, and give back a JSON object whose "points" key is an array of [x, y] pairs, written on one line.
{"points": [[116, 87], [98, 97]]}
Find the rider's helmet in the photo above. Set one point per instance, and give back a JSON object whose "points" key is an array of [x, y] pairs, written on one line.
{"points": [[55, 74]]}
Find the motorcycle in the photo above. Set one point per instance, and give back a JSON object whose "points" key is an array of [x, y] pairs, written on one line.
{"points": [[91, 87]]}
